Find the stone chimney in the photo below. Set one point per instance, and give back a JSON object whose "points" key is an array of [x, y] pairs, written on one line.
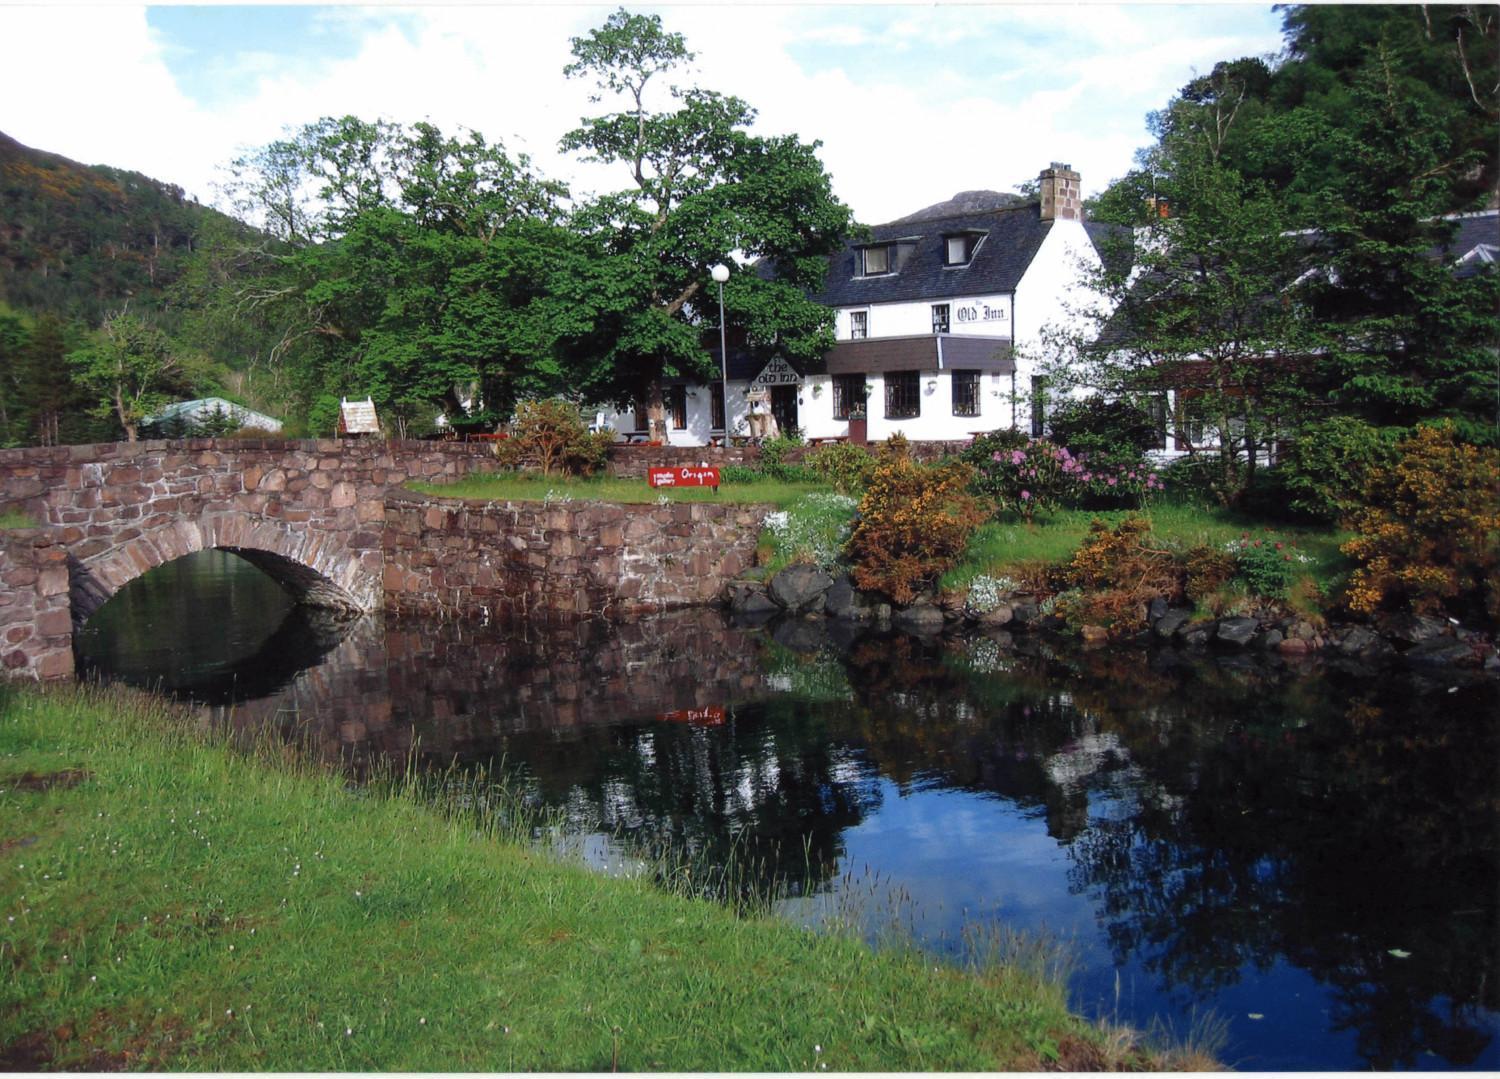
{"points": [[1062, 193]]}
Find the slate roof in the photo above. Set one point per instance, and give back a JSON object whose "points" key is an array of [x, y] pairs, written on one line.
{"points": [[1476, 244], [1012, 237]]}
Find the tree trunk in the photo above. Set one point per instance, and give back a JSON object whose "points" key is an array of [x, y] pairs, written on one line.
{"points": [[656, 410], [130, 428]]}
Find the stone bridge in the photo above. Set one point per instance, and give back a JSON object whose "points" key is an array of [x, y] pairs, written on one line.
{"points": [[329, 521], [310, 514]]}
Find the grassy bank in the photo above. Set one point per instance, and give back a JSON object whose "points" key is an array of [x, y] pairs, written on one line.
{"points": [[1009, 548], [169, 903], [531, 487]]}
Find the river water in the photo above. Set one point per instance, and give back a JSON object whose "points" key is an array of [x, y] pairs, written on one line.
{"points": [[1310, 854]]}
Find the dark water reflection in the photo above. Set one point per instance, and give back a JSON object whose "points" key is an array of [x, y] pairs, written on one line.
{"points": [[1313, 853]]}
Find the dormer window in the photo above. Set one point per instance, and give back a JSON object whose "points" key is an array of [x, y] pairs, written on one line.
{"points": [[875, 260], [958, 249]]}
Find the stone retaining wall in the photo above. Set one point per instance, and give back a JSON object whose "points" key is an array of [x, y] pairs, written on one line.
{"points": [[514, 560], [36, 624]]}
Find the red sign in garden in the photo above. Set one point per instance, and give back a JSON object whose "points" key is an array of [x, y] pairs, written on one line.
{"points": [[685, 476], [711, 716]]}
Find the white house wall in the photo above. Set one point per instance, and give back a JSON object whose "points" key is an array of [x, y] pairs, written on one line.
{"points": [[978, 316], [1052, 294]]}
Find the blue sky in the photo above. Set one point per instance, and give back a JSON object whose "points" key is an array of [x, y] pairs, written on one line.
{"points": [[911, 103]]}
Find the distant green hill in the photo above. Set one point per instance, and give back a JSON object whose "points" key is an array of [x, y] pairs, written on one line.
{"points": [[77, 240]]}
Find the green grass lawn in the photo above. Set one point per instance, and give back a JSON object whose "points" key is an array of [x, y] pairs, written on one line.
{"points": [[1001, 548], [170, 903], [530, 487]]}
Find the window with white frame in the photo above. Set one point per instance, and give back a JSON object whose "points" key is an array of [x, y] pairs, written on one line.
{"points": [[875, 260], [859, 325], [940, 318], [959, 250]]}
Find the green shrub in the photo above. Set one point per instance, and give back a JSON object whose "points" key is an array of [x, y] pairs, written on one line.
{"points": [[1429, 535], [1268, 564], [549, 434], [842, 465], [1326, 470], [914, 523], [773, 462], [1096, 425]]}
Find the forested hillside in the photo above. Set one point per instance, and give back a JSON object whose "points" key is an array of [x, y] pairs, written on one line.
{"points": [[77, 240]]}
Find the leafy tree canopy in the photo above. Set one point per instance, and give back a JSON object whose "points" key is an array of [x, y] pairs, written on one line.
{"points": [[702, 187]]}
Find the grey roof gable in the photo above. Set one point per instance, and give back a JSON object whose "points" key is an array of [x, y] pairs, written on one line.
{"points": [[1012, 237]]}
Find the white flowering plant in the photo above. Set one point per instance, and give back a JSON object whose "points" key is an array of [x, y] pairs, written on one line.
{"points": [[812, 529]]}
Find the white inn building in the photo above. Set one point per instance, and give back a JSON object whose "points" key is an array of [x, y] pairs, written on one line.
{"points": [[932, 315]]}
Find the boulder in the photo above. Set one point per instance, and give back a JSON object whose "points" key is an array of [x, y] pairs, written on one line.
{"points": [[1442, 652], [1359, 641], [997, 616], [1197, 634], [1025, 613], [1156, 609], [1237, 632], [1272, 638], [753, 601], [843, 601], [1170, 622], [1413, 629], [797, 587], [919, 618]]}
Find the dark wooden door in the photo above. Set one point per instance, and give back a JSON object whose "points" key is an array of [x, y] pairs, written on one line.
{"points": [[784, 407]]}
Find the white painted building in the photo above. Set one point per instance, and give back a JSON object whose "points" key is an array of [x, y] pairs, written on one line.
{"points": [[931, 313]]}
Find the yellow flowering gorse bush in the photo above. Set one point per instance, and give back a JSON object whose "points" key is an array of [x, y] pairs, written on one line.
{"points": [[1430, 530]]}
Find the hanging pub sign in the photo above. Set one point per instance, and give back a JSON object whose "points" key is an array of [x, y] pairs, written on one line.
{"points": [[778, 373], [685, 476]]}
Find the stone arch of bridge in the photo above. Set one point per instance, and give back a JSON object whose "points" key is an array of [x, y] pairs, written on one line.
{"points": [[313, 567]]}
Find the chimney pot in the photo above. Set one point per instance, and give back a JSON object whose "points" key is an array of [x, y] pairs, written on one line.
{"points": [[1062, 193]]}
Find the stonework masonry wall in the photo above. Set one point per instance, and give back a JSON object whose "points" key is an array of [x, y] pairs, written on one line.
{"points": [[120, 509], [515, 560], [331, 520], [36, 623]]}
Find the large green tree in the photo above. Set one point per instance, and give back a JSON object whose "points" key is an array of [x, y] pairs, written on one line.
{"points": [[131, 368], [401, 263], [702, 188], [1203, 302], [1407, 337]]}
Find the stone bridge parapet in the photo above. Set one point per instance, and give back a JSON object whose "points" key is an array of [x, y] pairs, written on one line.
{"points": [[310, 513]]}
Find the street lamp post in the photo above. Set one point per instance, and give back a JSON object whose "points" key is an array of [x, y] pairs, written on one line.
{"points": [[720, 274]]}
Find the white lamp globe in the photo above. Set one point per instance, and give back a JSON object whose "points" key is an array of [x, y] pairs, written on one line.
{"points": [[720, 273]]}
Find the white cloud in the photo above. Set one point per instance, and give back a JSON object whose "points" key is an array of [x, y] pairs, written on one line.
{"points": [[1069, 83]]}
